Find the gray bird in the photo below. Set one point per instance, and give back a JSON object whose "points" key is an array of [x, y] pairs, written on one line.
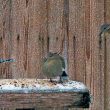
{"points": [[105, 28], [53, 66], [6, 60], [104, 32]]}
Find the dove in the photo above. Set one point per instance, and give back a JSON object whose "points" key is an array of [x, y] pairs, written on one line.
{"points": [[54, 66]]}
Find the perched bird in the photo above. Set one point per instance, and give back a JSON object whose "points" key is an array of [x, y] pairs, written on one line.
{"points": [[53, 66], [104, 32], [105, 29], [6, 60]]}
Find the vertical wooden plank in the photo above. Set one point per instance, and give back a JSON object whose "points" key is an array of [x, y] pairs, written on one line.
{"points": [[107, 11], [107, 73], [76, 40], [55, 14], [57, 28], [87, 44], [5, 37], [85, 18], [29, 23], [37, 36], [102, 60], [76, 50], [18, 32], [107, 55], [97, 75], [94, 79]]}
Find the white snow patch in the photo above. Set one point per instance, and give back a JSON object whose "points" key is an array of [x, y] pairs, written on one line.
{"points": [[33, 85]]}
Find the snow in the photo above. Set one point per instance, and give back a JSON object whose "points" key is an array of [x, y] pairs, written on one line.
{"points": [[39, 86]]}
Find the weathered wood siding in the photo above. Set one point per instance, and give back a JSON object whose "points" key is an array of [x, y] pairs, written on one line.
{"points": [[31, 28]]}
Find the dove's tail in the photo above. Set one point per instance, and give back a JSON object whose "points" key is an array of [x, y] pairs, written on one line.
{"points": [[64, 77], [64, 74], [6, 60]]}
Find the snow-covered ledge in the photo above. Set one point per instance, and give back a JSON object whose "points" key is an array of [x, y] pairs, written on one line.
{"points": [[35, 93]]}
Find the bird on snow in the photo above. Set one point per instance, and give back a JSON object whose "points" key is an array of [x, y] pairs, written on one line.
{"points": [[54, 66]]}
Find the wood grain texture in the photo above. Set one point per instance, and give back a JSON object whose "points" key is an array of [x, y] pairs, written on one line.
{"points": [[39, 100], [97, 76], [107, 71], [31, 28], [55, 14], [76, 40], [106, 45], [29, 21], [107, 58], [5, 38], [85, 18]]}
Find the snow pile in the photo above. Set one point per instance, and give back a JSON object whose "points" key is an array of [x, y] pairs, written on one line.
{"points": [[39, 86]]}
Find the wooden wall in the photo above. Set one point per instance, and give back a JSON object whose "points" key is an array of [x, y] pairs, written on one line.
{"points": [[31, 28]]}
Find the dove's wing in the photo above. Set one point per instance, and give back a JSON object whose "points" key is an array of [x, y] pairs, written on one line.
{"points": [[63, 62]]}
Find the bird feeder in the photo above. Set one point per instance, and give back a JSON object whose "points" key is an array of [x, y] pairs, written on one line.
{"points": [[32, 94]]}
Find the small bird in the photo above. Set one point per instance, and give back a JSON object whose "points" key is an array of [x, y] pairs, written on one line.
{"points": [[54, 66], [104, 32], [6, 60], [105, 29]]}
